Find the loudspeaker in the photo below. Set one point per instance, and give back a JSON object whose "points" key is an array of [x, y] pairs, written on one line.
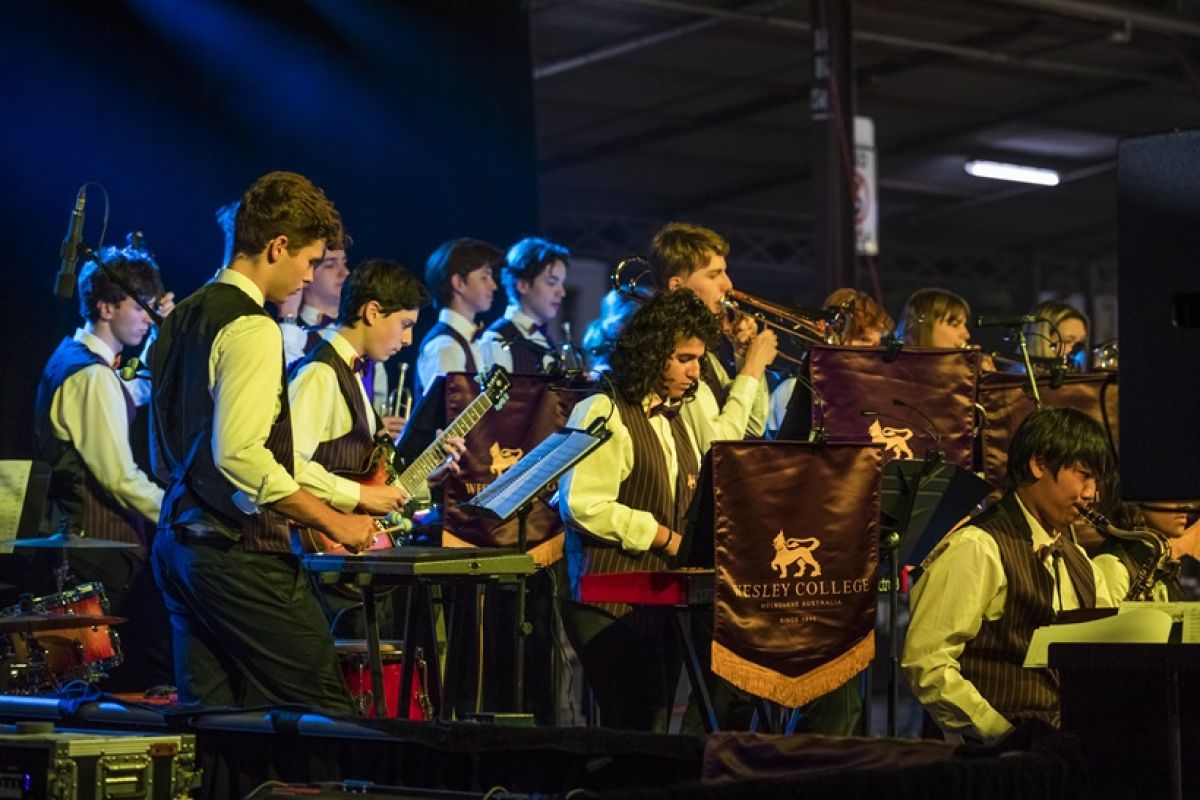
{"points": [[1158, 217]]}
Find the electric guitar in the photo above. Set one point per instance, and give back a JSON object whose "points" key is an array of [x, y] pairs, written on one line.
{"points": [[380, 469]]}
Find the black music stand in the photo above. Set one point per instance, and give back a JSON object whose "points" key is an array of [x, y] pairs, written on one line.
{"points": [[921, 501], [512, 494]]}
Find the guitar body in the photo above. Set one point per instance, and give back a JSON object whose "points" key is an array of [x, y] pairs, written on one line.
{"points": [[380, 469]]}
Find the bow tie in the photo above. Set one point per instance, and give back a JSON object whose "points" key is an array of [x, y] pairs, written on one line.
{"points": [[360, 365], [542, 329], [323, 321], [1053, 547], [666, 410]]}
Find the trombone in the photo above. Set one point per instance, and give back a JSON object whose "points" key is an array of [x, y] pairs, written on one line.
{"points": [[804, 326]]}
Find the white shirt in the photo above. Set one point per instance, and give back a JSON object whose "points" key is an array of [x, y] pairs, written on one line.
{"points": [[588, 492], [243, 379], [320, 414], [443, 354], [747, 415], [492, 346], [963, 587], [779, 404], [89, 411], [295, 337]]}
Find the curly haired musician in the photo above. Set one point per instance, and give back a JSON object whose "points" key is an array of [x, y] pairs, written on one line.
{"points": [[534, 277], [247, 626], [624, 505], [987, 586], [684, 256]]}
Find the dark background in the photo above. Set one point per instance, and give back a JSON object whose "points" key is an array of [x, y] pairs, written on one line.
{"points": [[416, 118]]}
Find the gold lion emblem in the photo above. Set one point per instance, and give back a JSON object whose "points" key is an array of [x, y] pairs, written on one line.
{"points": [[798, 552], [894, 439], [503, 458]]}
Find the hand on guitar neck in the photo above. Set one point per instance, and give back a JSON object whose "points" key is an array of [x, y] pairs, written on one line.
{"points": [[454, 447]]}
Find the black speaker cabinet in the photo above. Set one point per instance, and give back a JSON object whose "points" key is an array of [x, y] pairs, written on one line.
{"points": [[1158, 216]]}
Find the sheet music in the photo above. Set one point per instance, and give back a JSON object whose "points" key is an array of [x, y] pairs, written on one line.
{"points": [[553, 455], [1139, 625], [1186, 612], [14, 478]]}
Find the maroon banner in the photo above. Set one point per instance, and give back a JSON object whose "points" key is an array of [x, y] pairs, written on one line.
{"points": [[1006, 401], [939, 383], [501, 437], [796, 530]]}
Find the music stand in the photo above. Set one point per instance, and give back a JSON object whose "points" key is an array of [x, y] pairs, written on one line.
{"points": [[512, 494], [921, 501]]}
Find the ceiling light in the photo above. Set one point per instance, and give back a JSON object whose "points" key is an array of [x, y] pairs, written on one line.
{"points": [[1011, 172]]}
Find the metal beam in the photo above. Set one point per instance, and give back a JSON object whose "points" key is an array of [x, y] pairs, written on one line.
{"points": [[1138, 18]]}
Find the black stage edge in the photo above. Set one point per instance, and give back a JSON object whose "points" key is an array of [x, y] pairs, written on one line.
{"points": [[241, 750]]}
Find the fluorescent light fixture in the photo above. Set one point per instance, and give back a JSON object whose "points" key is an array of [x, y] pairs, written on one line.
{"points": [[1011, 172]]}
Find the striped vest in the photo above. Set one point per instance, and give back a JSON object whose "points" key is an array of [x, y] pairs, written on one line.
{"points": [[646, 488], [349, 452], [992, 661], [711, 378], [198, 494], [82, 504]]}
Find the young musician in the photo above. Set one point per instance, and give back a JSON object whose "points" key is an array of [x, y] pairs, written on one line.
{"points": [[83, 409], [333, 424], [1063, 328], [684, 256], [81, 428], [866, 326], [624, 505], [935, 318], [987, 586], [459, 274], [534, 277], [247, 627]]}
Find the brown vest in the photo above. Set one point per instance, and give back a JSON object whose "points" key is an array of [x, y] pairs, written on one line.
{"points": [[646, 488], [709, 374], [349, 452], [992, 661]]}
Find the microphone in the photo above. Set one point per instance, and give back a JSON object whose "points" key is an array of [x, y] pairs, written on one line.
{"points": [[64, 282], [1006, 322], [937, 439]]}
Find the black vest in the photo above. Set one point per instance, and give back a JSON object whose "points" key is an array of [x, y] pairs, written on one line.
{"points": [[646, 489], [708, 374], [442, 329], [80, 502], [349, 452], [182, 423], [528, 357], [992, 661]]}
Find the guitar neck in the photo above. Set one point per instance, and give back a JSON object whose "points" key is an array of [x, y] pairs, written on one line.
{"points": [[415, 475]]}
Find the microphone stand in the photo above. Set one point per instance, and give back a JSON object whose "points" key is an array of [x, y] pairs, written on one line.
{"points": [[1023, 344]]}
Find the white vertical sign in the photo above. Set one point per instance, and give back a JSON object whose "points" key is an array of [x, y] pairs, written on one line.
{"points": [[866, 188]]}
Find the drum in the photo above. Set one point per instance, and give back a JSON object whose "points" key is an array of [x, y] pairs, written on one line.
{"points": [[83, 653], [356, 669]]}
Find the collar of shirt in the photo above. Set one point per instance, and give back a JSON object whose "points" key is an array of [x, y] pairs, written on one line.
{"points": [[457, 321], [341, 346], [97, 345], [235, 278], [1041, 539], [314, 317], [526, 324]]}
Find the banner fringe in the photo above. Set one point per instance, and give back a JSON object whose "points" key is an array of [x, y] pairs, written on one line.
{"points": [[786, 690]]}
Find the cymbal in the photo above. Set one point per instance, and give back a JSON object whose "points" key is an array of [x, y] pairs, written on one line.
{"points": [[70, 541], [26, 623]]}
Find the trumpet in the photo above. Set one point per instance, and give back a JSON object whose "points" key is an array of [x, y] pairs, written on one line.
{"points": [[399, 401]]}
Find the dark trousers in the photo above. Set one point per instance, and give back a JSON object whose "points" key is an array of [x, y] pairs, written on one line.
{"points": [[631, 664], [248, 630]]}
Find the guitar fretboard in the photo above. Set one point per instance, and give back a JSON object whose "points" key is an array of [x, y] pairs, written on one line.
{"points": [[414, 477]]}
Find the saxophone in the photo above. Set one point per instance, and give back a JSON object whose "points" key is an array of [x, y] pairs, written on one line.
{"points": [[1141, 585]]}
